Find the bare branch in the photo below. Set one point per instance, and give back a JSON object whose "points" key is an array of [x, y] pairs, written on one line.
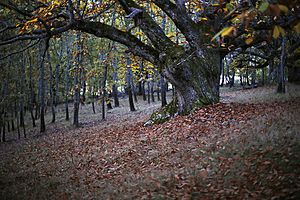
{"points": [[20, 51]]}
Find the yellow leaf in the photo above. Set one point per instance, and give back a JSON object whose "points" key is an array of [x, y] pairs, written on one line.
{"points": [[219, 33], [249, 40], [33, 20], [297, 28], [276, 32], [139, 33], [283, 8], [171, 34], [203, 19], [215, 5], [153, 7], [227, 31]]}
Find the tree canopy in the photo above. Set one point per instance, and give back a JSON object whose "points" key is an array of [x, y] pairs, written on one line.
{"points": [[187, 53]]}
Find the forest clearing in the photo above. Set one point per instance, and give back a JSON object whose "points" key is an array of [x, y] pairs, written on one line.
{"points": [[227, 150]]}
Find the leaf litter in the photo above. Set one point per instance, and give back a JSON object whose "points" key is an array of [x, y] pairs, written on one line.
{"points": [[221, 151]]}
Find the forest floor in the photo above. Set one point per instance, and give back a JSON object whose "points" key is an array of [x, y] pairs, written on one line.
{"points": [[246, 147]]}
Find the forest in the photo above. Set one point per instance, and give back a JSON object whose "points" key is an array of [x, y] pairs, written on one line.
{"points": [[149, 99]]}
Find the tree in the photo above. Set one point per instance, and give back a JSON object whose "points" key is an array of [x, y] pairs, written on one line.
{"points": [[190, 64], [43, 51], [192, 70]]}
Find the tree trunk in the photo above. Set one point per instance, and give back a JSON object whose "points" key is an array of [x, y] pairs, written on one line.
{"points": [[281, 74], [131, 104], [3, 129], [52, 97], [247, 77], [163, 91], [18, 119], [129, 86], [140, 90], [76, 98], [115, 94], [104, 90], [22, 88], [32, 95], [158, 91], [152, 91], [143, 91], [92, 97], [56, 95], [223, 72], [232, 79], [83, 86], [115, 79], [148, 89], [67, 77], [196, 78], [263, 76], [241, 80], [253, 78], [42, 87], [134, 91], [143, 82]]}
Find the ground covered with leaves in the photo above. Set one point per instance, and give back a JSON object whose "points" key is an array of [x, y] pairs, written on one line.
{"points": [[228, 150]]}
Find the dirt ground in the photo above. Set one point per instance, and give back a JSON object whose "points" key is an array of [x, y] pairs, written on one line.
{"points": [[246, 147]]}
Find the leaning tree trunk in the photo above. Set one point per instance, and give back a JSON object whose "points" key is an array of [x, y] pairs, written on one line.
{"points": [[195, 76]]}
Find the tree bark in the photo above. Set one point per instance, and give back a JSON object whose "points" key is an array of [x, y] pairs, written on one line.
{"points": [[115, 79], [104, 90], [22, 88], [56, 95], [67, 79], [52, 96], [42, 86], [152, 90], [143, 82], [163, 91], [129, 86], [281, 68], [196, 78], [77, 84], [32, 95]]}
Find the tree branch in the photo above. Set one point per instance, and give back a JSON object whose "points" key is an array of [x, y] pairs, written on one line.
{"points": [[151, 29], [136, 46], [182, 21], [20, 51]]}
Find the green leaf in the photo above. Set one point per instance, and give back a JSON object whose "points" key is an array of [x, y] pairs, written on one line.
{"points": [[264, 6], [229, 6]]}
